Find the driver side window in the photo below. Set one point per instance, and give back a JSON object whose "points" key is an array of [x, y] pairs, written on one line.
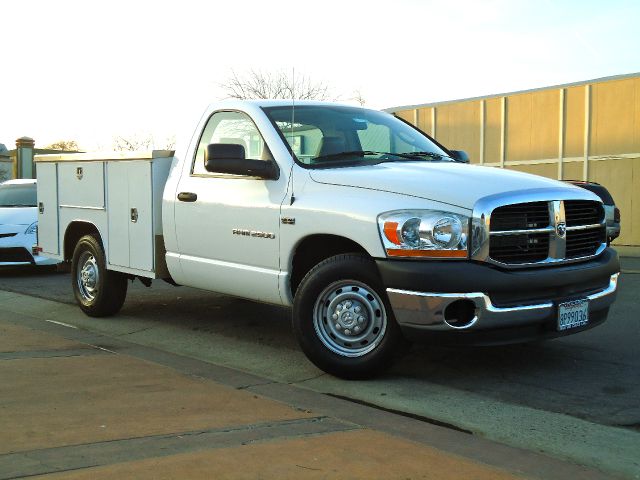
{"points": [[230, 128]]}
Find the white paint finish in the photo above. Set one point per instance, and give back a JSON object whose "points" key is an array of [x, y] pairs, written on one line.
{"points": [[103, 156], [342, 211], [141, 244], [97, 218], [135, 184], [214, 258], [446, 182], [132, 271], [117, 212], [203, 251], [159, 173], [87, 191], [48, 219]]}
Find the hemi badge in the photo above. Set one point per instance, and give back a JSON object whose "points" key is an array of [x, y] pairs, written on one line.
{"points": [[288, 221]]}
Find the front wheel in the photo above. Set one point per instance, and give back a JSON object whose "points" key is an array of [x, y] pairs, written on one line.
{"points": [[98, 291], [343, 320]]}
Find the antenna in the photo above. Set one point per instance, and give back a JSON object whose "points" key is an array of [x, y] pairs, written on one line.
{"points": [[293, 117]]}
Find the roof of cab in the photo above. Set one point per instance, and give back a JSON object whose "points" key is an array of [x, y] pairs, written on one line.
{"points": [[280, 103]]}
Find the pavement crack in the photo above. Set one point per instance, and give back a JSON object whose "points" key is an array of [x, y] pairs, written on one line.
{"points": [[134, 332], [413, 416], [309, 468], [251, 385], [297, 382]]}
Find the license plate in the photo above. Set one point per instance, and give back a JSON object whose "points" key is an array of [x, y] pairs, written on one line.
{"points": [[573, 314]]}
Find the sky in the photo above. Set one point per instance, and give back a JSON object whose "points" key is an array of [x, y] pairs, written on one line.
{"points": [[91, 71]]}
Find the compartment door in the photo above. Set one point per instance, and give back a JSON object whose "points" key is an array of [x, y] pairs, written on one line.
{"points": [[118, 213], [48, 236], [130, 214], [81, 184], [140, 216]]}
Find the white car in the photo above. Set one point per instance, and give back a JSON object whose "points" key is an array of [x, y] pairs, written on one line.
{"points": [[19, 224]]}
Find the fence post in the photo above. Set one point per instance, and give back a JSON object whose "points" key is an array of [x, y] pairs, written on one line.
{"points": [[24, 167]]}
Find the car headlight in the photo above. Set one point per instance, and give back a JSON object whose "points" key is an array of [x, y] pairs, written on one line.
{"points": [[32, 229], [424, 233]]}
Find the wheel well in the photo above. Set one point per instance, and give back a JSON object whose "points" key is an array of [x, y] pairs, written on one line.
{"points": [[75, 231], [315, 248]]}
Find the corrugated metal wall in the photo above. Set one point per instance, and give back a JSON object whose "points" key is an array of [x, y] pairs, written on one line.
{"points": [[587, 131]]}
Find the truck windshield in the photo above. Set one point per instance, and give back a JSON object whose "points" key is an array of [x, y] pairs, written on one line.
{"points": [[18, 195], [334, 136]]}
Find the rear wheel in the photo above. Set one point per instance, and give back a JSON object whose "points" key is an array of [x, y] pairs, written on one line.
{"points": [[343, 320], [98, 291]]}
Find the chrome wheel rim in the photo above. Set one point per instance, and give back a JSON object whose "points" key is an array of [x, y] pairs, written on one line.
{"points": [[349, 318], [88, 276]]}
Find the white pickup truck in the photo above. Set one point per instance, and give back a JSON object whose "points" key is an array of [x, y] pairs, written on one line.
{"points": [[369, 229]]}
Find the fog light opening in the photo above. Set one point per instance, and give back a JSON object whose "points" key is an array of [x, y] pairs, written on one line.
{"points": [[460, 314]]}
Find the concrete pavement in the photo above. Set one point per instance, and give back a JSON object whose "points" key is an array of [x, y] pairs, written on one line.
{"points": [[79, 404]]}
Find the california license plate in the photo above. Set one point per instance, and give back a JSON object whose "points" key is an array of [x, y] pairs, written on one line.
{"points": [[573, 314]]}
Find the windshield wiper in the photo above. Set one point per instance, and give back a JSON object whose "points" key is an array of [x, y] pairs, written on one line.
{"points": [[364, 153], [353, 153], [433, 155]]}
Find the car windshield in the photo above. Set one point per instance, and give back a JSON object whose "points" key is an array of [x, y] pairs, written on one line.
{"points": [[335, 136], [18, 195]]}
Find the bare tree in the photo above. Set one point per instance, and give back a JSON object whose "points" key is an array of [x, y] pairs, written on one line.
{"points": [[169, 143], [68, 145], [132, 143], [146, 142], [358, 97], [261, 84]]}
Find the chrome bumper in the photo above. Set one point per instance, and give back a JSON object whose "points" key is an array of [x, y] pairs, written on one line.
{"points": [[426, 310]]}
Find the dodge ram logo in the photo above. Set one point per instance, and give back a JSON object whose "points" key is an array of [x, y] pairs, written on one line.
{"points": [[561, 229]]}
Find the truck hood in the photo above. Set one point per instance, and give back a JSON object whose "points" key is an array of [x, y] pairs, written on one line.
{"points": [[446, 182]]}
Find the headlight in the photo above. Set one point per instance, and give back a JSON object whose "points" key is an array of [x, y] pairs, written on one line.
{"points": [[32, 229], [424, 233]]}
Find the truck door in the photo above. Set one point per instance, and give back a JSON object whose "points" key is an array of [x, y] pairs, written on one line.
{"points": [[228, 225]]}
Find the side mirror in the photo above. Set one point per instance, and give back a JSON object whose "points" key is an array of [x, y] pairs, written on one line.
{"points": [[230, 158], [459, 156]]}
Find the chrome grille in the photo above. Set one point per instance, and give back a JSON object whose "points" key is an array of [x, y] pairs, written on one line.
{"points": [[520, 248], [583, 243], [583, 212], [520, 216], [543, 232]]}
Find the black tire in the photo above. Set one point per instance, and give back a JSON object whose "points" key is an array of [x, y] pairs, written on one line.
{"points": [[98, 291], [332, 298]]}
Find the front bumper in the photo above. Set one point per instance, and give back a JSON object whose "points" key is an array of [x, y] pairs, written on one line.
{"points": [[508, 306], [16, 249]]}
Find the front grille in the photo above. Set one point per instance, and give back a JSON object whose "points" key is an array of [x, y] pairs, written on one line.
{"points": [[584, 243], [521, 216], [545, 232], [7, 235], [15, 254], [525, 248], [583, 212]]}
